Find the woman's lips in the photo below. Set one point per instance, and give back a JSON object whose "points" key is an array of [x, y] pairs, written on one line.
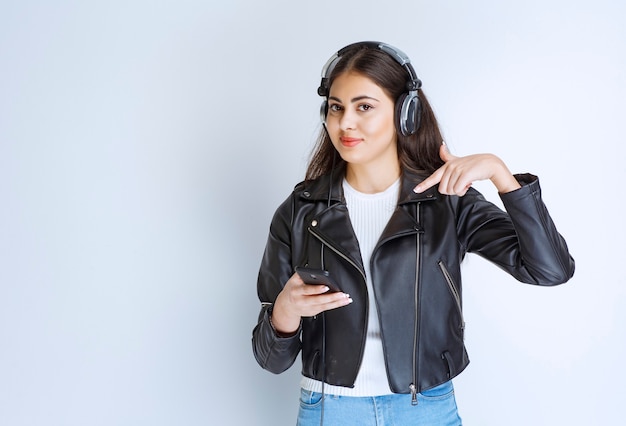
{"points": [[349, 142]]}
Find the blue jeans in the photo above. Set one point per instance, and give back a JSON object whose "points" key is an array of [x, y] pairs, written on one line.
{"points": [[435, 407]]}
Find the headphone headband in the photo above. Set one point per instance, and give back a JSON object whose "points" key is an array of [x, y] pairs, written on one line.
{"points": [[398, 55]]}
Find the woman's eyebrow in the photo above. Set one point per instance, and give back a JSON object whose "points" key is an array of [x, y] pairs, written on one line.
{"points": [[355, 99]]}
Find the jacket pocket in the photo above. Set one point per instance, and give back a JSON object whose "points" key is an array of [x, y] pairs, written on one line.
{"points": [[456, 295], [449, 363]]}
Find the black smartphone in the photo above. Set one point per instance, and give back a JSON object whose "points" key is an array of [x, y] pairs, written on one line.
{"points": [[318, 277]]}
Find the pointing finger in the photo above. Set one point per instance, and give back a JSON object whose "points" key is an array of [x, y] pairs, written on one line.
{"points": [[430, 181], [436, 177]]}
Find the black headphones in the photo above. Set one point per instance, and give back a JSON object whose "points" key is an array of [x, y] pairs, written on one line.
{"points": [[408, 106]]}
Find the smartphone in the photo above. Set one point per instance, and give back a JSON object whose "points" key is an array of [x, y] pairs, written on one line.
{"points": [[317, 277]]}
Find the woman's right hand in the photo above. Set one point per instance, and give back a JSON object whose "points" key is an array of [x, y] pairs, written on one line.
{"points": [[298, 300]]}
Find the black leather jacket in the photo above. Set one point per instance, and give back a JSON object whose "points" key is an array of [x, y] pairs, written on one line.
{"points": [[416, 277]]}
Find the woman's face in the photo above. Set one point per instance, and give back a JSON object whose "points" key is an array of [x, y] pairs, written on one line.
{"points": [[360, 122]]}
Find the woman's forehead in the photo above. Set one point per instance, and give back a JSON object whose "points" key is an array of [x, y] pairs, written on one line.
{"points": [[353, 84]]}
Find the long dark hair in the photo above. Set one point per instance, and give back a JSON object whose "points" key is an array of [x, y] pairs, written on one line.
{"points": [[418, 152]]}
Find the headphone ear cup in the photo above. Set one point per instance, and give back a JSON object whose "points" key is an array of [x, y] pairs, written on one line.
{"points": [[408, 113], [324, 111]]}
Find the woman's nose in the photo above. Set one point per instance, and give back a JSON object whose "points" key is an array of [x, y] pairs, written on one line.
{"points": [[348, 120]]}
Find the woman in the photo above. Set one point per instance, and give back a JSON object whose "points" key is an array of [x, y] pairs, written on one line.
{"points": [[390, 214]]}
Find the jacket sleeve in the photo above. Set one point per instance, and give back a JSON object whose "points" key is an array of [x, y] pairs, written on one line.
{"points": [[523, 240], [273, 352]]}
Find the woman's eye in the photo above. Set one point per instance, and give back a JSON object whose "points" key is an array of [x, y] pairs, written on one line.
{"points": [[365, 107], [334, 107]]}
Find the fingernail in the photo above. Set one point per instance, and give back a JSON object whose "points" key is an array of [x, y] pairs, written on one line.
{"points": [[417, 189]]}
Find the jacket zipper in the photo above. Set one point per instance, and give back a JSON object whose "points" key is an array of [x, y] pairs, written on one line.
{"points": [[454, 291], [413, 385], [343, 256]]}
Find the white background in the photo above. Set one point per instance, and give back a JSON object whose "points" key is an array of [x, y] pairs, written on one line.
{"points": [[144, 146]]}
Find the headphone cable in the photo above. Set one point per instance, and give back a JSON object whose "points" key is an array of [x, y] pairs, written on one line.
{"points": [[330, 183]]}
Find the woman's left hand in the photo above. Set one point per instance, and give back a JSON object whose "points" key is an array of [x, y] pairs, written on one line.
{"points": [[455, 177]]}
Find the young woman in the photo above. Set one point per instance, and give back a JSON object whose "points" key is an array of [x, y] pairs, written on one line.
{"points": [[390, 213]]}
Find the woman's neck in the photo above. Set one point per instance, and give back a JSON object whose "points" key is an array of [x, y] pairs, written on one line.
{"points": [[370, 180]]}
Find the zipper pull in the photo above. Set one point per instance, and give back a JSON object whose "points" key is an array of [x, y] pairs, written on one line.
{"points": [[413, 394]]}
